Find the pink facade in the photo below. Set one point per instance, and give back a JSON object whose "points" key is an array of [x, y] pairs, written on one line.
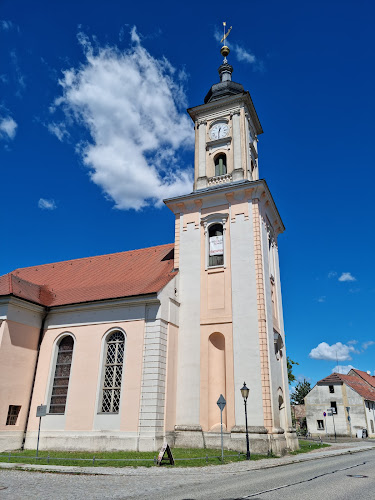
{"points": [[129, 349]]}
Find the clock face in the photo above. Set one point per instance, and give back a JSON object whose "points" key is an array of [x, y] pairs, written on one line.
{"points": [[219, 130]]}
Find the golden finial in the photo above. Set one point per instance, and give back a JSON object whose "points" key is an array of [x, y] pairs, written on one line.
{"points": [[224, 51]]}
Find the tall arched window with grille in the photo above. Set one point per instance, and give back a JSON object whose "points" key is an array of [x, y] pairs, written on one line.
{"points": [[62, 375], [114, 360]]}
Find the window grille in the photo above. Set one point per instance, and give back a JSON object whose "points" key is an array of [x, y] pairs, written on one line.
{"points": [[114, 360], [62, 375], [13, 413]]}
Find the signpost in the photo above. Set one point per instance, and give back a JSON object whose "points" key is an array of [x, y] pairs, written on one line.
{"points": [[349, 419], [41, 411], [221, 404], [330, 412], [325, 422]]}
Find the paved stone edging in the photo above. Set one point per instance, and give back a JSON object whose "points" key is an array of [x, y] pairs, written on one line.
{"points": [[232, 468]]}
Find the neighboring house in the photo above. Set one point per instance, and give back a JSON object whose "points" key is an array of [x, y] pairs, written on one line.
{"points": [[299, 416], [132, 348], [353, 398]]}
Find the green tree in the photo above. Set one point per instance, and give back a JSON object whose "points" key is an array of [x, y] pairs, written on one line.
{"points": [[290, 363], [301, 390]]}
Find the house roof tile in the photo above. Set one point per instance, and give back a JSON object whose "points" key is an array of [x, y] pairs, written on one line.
{"points": [[124, 274], [363, 388]]}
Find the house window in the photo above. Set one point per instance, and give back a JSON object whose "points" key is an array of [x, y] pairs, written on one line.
{"points": [[220, 165], [372, 426], [114, 360], [320, 424], [216, 245], [62, 375], [13, 412], [331, 389], [334, 407]]}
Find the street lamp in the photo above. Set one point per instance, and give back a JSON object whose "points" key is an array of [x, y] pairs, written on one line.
{"points": [[245, 393]]}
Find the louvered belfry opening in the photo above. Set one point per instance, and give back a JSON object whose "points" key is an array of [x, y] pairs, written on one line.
{"points": [[114, 361], [62, 375]]}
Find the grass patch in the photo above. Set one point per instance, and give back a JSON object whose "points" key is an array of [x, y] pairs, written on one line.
{"points": [[191, 457], [306, 446]]}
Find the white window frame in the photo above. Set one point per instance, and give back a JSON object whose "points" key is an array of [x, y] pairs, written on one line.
{"points": [[207, 222], [106, 336], [56, 348]]}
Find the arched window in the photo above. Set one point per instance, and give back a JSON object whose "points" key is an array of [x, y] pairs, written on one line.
{"points": [[220, 165], [114, 360], [62, 375], [216, 245]]}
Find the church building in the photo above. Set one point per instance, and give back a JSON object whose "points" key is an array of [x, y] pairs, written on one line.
{"points": [[130, 349]]}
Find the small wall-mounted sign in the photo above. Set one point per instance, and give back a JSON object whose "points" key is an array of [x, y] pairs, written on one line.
{"points": [[41, 411]]}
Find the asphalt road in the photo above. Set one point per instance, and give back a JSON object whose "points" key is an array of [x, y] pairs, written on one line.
{"points": [[327, 478]]}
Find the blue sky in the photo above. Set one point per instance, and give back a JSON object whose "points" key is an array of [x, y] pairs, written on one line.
{"points": [[93, 125]]}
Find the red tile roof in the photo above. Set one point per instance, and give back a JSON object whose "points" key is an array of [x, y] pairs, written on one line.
{"points": [[124, 274], [365, 376], [363, 388]]}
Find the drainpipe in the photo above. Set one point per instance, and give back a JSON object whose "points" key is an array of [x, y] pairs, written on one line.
{"points": [[45, 314]]}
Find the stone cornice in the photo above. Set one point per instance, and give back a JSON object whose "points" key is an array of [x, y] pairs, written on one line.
{"points": [[107, 304], [253, 189], [225, 104], [11, 300]]}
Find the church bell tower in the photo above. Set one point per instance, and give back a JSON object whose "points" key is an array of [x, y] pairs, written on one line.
{"points": [[226, 250]]}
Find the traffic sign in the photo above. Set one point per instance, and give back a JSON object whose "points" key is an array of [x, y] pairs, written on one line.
{"points": [[221, 402]]}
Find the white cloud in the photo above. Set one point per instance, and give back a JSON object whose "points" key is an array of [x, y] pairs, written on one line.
{"points": [[332, 274], [59, 130], [347, 277], [7, 128], [367, 344], [47, 204], [322, 298], [133, 107], [344, 369], [6, 25], [338, 351], [243, 54], [19, 76]]}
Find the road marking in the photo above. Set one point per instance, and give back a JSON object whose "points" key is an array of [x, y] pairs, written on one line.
{"points": [[300, 482]]}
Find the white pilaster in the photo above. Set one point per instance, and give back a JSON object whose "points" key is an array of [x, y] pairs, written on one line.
{"points": [[245, 321], [188, 379], [151, 416], [237, 166]]}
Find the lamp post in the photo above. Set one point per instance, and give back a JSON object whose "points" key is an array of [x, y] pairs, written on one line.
{"points": [[245, 393]]}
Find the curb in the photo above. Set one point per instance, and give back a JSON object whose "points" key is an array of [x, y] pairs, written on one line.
{"points": [[106, 471]]}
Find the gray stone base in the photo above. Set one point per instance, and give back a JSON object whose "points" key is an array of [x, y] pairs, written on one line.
{"points": [[261, 441], [188, 436], [202, 182], [237, 174], [84, 441], [10, 440]]}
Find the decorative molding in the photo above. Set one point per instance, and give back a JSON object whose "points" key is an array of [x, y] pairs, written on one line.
{"points": [[220, 179]]}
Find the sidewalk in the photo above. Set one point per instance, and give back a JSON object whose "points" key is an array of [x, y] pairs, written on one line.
{"points": [[335, 450]]}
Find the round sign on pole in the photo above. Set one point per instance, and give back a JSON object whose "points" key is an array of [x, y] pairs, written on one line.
{"points": [[324, 414]]}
